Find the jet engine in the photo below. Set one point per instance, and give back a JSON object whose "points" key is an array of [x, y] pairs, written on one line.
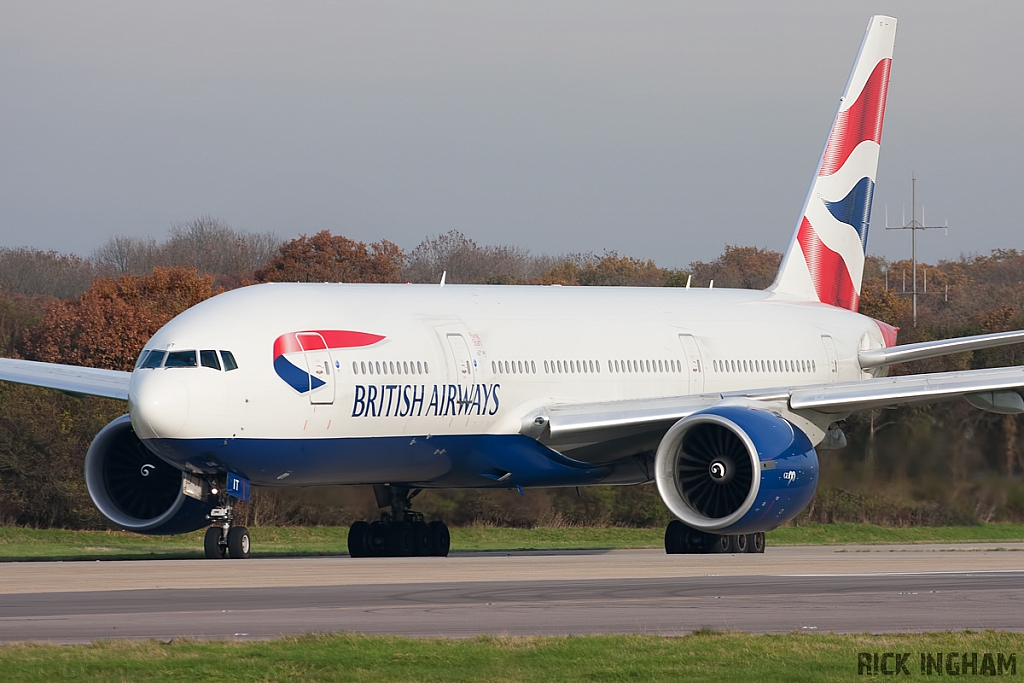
{"points": [[735, 470], [137, 490]]}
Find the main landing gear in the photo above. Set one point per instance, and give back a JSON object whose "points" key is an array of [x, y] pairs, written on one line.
{"points": [[399, 533], [224, 539], [683, 540]]}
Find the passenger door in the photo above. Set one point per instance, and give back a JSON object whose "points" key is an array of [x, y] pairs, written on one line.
{"points": [[464, 374], [694, 364], [320, 367], [833, 358]]}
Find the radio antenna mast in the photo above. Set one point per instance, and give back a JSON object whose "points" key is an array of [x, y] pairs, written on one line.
{"points": [[914, 226]]}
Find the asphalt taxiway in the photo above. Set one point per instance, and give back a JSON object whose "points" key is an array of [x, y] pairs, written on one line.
{"points": [[840, 589]]}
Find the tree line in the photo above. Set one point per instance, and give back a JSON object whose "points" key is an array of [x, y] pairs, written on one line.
{"points": [[923, 465]]}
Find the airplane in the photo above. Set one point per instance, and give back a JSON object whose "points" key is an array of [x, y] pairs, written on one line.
{"points": [[720, 396]]}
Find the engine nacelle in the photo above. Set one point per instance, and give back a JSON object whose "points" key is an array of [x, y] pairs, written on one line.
{"points": [[735, 470], [135, 489]]}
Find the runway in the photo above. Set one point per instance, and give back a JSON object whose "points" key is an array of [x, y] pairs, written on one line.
{"points": [[809, 589]]}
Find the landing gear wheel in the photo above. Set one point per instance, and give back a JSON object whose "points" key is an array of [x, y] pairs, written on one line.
{"points": [[421, 539], [358, 540], [740, 543], [238, 543], [722, 544], [400, 540], [675, 538], [440, 539], [212, 543], [377, 540], [756, 543]]}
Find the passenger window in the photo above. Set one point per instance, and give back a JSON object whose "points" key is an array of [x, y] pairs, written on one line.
{"points": [[533, 367], [355, 368], [426, 368], [208, 359], [181, 359], [154, 360], [229, 361]]}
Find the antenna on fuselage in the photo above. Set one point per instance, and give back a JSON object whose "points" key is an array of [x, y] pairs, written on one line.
{"points": [[712, 285], [443, 276], [688, 281]]}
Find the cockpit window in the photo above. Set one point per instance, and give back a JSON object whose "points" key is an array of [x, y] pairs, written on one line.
{"points": [[229, 361], [181, 359], [142, 358], [155, 359], [208, 359]]}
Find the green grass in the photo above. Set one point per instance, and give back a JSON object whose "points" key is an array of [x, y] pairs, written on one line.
{"points": [[702, 656], [21, 544]]}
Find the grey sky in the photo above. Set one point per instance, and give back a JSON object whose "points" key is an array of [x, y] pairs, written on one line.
{"points": [[657, 129]]}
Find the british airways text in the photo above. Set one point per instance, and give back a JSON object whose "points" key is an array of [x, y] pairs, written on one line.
{"points": [[406, 400]]}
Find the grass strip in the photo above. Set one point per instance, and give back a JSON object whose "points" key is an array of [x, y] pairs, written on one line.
{"points": [[702, 656], [22, 544]]}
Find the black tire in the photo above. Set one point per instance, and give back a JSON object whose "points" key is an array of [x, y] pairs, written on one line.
{"points": [[440, 538], [358, 539], [400, 541], [698, 542], [675, 538], [377, 540], [740, 543], [211, 543], [421, 539], [722, 544], [238, 543], [756, 544]]}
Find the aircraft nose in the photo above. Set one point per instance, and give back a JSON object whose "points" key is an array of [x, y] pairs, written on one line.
{"points": [[157, 403]]}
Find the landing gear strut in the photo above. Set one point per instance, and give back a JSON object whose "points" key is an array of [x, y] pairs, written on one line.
{"points": [[400, 532], [683, 540], [224, 539]]}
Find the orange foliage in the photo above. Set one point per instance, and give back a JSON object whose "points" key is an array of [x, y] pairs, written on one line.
{"points": [[332, 258], [610, 270], [107, 326]]}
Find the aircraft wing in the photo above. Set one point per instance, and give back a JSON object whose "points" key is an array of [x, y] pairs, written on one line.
{"points": [[71, 379], [586, 425]]}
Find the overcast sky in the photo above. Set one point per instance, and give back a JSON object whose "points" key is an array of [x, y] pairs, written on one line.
{"points": [[656, 129]]}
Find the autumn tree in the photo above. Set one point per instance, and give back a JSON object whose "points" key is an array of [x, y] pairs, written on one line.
{"points": [[44, 435], [48, 273], [466, 262], [607, 270], [107, 326], [17, 314], [333, 258], [739, 267], [207, 244]]}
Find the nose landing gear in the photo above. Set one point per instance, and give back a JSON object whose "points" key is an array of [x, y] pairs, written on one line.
{"points": [[399, 533], [224, 539]]}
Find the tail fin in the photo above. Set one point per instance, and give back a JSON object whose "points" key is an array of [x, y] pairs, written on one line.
{"points": [[825, 259]]}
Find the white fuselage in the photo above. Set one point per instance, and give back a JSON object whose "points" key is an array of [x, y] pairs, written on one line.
{"points": [[473, 360]]}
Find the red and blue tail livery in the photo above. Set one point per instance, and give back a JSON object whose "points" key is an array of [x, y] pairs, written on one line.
{"points": [[825, 260], [303, 359]]}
